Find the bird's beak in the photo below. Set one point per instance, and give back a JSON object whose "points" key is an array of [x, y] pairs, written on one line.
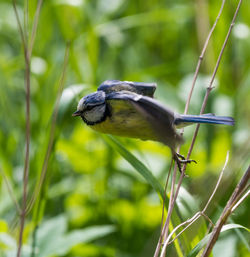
{"points": [[77, 113]]}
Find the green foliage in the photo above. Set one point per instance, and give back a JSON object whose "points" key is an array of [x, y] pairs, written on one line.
{"points": [[100, 196], [139, 166], [203, 242], [52, 238]]}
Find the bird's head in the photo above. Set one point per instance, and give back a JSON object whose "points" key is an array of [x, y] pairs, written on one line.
{"points": [[92, 108]]}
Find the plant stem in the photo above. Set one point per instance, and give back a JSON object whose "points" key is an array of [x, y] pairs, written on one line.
{"points": [[27, 56], [209, 89], [226, 212]]}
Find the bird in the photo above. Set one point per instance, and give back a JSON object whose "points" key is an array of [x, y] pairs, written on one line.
{"points": [[129, 109]]}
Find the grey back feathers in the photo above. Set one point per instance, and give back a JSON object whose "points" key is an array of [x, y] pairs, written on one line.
{"points": [[145, 89]]}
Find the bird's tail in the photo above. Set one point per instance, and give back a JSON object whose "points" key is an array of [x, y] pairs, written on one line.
{"points": [[184, 120]]}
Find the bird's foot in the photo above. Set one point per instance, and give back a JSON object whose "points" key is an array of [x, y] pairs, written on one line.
{"points": [[180, 160]]}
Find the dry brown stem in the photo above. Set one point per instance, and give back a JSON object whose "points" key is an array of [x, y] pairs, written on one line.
{"points": [[27, 58], [51, 134], [190, 221], [209, 89], [226, 212]]}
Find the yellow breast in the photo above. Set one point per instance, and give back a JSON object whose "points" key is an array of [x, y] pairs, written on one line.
{"points": [[125, 121]]}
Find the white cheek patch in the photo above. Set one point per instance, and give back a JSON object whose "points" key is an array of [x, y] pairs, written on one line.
{"points": [[95, 114], [80, 105]]}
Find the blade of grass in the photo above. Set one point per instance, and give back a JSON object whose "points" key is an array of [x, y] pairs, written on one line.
{"points": [[243, 238], [204, 241], [39, 193], [147, 174], [138, 165], [52, 132], [27, 129], [11, 191], [34, 28]]}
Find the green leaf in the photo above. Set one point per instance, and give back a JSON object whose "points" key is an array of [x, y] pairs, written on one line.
{"points": [[49, 233], [241, 236], [187, 203], [138, 165], [7, 241], [205, 240], [52, 239], [68, 96], [81, 236]]}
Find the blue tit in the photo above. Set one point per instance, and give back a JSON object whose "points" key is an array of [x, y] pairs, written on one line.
{"points": [[128, 109]]}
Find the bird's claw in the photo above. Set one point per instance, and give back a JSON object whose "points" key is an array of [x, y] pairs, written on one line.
{"points": [[180, 159]]}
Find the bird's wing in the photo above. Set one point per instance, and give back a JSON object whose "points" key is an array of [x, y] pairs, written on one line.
{"points": [[159, 117], [146, 89]]}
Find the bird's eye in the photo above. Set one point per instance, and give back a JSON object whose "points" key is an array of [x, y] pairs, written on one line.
{"points": [[89, 107]]}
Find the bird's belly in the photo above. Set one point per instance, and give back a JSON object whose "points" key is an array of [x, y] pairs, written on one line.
{"points": [[126, 124]]}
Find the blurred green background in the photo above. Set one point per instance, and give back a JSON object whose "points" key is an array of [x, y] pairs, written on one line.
{"points": [[93, 202]]}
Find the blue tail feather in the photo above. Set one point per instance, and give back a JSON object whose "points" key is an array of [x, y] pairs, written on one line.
{"points": [[205, 118]]}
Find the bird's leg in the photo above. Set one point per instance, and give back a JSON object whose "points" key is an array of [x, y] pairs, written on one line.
{"points": [[180, 159], [180, 156], [183, 159]]}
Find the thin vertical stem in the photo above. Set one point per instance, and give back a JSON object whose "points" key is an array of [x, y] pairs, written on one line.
{"points": [[170, 205], [52, 133], [226, 212], [26, 19], [158, 247], [23, 38], [34, 28], [210, 87], [26, 164], [27, 55], [201, 57]]}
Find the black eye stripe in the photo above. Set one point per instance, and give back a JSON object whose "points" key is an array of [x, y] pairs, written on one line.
{"points": [[90, 107]]}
